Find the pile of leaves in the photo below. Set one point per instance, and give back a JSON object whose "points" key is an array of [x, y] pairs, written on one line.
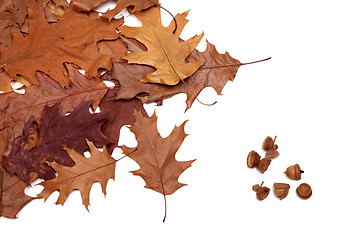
{"points": [[45, 131]]}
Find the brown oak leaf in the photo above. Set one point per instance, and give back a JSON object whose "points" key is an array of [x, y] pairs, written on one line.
{"points": [[99, 167], [116, 49], [132, 5], [217, 70], [54, 9], [164, 50], [118, 113], [156, 155], [12, 195], [5, 32], [73, 39], [6, 79], [37, 146], [13, 13], [49, 92]]}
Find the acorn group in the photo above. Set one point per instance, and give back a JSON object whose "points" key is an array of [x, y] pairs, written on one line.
{"points": [[254, 159], [293, 172]]}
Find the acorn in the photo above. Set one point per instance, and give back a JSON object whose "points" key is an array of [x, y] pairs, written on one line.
{"points": [[272, 153], [264, 164], [304, 191], [281, 190], [253, 159], [261, 192], [269, 143], [294, 172]]}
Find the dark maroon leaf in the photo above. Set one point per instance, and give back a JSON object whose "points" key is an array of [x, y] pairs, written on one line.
{"points": [[42, 144], [119, 113]]}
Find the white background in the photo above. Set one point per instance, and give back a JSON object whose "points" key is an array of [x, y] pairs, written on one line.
{"points": [[292, 96]]}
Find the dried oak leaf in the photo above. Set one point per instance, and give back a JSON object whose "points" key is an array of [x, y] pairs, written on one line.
{"points": [[118, 113], [99, 167], [135, 5], [12, 195], [35, 147], [132, 5], [164, 50], [5, 32], [16, 109], [54, 9], [73, 39], [217, 70], [13, 13], [156, 155], [116, 49], [6, 79]]}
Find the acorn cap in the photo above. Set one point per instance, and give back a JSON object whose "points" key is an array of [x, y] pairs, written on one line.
{"points": [[304, 191], [294, 172], [272, 153], [253, 159], [264, 164], [268, 143], [281, 186]]}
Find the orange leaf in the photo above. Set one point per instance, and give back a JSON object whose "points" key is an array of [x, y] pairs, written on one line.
{"points": [[48, 46], [165, 52]]}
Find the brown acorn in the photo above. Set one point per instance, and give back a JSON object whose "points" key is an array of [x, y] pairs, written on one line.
{"points": [[304, 191], [281, 190], [272, 153], [264, 164], [261, 192], [253, 159], [269, 143], [294, 172]]}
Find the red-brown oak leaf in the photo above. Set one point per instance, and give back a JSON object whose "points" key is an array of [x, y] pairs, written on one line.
{"points": [[217, 70], [16, 109], [118, 114], [73, 39], [6, 80], [42, 144], [54, 9], [156, 155], [14, 13], [116, 49], [12, 195], [132, 5], [99, 167]]}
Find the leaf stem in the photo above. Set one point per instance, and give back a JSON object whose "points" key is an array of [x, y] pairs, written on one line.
{"points": [[174, 19], [1, 186], [266, 59], [196, 95], [206, 104], [126, 154], [165, 208]]}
